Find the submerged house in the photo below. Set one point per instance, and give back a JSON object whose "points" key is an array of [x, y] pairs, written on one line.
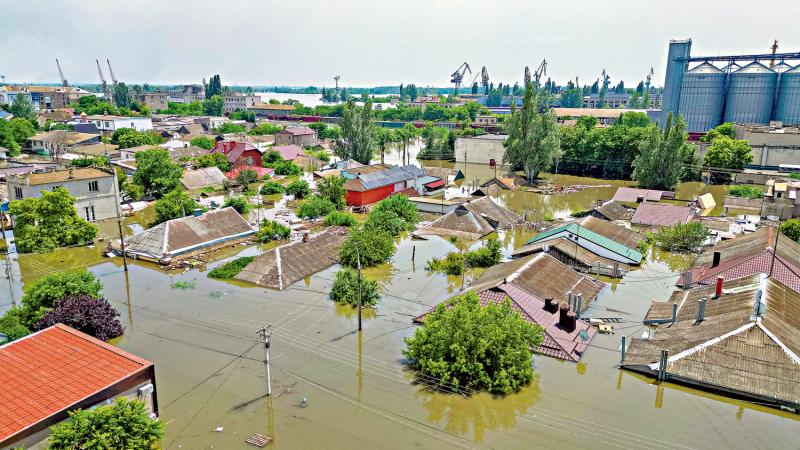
{"points": [[281, 266], [187, 235], [764, 251], [373, 186], [444, 173], [612, 211], [203, 177], [545, 292], [740, 338], [591, 244], [473, 220], [637, 195], [656, 215]]}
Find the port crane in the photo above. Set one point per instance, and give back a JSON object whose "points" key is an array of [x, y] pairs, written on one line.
{"points": [[541, 70], [111, 72], [458, 76], [649, 79], [61, 74], [103, 83], [774, 51]]}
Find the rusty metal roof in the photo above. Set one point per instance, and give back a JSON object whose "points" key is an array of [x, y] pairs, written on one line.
{"points": [[477, 218], [661, 214]]}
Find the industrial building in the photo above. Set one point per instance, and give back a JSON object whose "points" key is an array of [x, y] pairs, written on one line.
{"points": [[745, 89]]}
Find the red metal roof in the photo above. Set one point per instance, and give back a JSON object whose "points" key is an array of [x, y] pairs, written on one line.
{"points": [[289, 152], [661, 214], [53, 369], [434, 184], [632, 195]]}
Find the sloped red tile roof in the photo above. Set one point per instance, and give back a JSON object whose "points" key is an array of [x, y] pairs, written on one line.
{"points": [[53, 369], [289, 152], [762, 262]]}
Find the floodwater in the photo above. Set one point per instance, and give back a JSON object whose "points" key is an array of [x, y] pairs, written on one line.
{"points": [[357, 390]]}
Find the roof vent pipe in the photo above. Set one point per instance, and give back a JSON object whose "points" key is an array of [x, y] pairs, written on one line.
{"points": [[569, 298], [701, 310], [674, 312], [579, 306], [718, 290], [717, 257]]}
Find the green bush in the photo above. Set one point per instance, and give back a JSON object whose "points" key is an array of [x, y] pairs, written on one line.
{"points": [[124, 424], [242, 205], [43, 293], [332, 188], [791, 228], [470, 346], [12, 327], [271, 230], [746, 191], [374, 247], [51, 221], [339, 219], [314, 207], [681, 237], [231, 268], [271, 158], [272, 187], [287, 168], [173, 205], [486, 256], [299, 188], [452, 264], [400, 206], [345, 288]]}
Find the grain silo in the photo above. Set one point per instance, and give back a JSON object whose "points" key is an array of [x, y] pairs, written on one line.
{"points": [[788, 108], [751, 94], [702, 94]]}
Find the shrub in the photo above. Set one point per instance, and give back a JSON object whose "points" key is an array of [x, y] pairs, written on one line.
{"points": [[240, 204], [271, 158], [791, 228], [287, 168], [246, 177], [486, 256], [402, 207], [332, 188], [203, 142], [218, 160], [43, 293], [339, 219], [271, 230], [12, 327], [125, 424], [345, 288], [315, 206], [681, 237], [452, 264], [386, 220], [93, 316], [231, 268], [173, 205], [272, 187], [300, 189], [471, 346], [374, 247], [743, 190]]}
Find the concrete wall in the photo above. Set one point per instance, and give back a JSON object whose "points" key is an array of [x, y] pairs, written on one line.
{"points": [[104, 200], [480, 149]]}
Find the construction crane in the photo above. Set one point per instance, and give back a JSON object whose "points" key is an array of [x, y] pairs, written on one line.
{"points": [[606, 79], [649, 79], [527, 76], [103, 83], [774, 50], [336, 80], [111, 72], [61, 74], [542, 70], [458, 76]]}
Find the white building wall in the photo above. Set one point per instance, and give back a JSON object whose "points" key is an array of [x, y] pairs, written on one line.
{"points": [[104, 201]]}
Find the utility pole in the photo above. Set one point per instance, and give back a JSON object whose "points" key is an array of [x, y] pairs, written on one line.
{"points": [[9, 270], [775, 248], [119, 220], [265, 335], [358, 263]]}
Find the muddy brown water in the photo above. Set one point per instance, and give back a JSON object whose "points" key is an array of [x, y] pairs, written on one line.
{"points": [[358, 391]]}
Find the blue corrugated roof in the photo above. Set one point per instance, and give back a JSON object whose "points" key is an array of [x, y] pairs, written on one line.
{"points": [[591, 236], [389, 176]]}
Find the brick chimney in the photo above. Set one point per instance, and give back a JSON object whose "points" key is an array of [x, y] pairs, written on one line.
{"points": [[717, 257], [566, 318], [550, 305]]}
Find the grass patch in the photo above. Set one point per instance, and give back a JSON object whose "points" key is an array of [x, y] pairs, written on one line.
{"points": [[231, 268], [184, 285], [745, 191]]}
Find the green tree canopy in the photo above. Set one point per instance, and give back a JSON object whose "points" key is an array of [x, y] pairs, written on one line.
{"points": [[332, 188], [22, 108], [393, 215], [469, 346], [227, 128], [214, 105], [43, 293], [8, 138], [241, 204], [725, 129], [122, 425], [345, 288], [663, 156], [299, 188], [373, 246], [203, 142], [682, 237], [357, 139], [156, 173], [533, 141], [727, 153], [173, 205], [215, 159], [21, 130], [121, 96], [51, 221], [791, 228]]}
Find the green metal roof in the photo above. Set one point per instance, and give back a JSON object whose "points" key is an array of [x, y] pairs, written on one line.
{"points": [[590, 235]]}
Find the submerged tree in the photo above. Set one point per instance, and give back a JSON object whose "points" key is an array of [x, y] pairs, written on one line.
{"points": [[533, 141], [357, 139], [93, 316], [663, 156]]}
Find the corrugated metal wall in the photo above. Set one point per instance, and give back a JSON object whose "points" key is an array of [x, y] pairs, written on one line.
{"points": [[788, 109]]}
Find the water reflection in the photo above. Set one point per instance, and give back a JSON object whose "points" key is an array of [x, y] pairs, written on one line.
{"points": [[351, 312], [480, 412]]}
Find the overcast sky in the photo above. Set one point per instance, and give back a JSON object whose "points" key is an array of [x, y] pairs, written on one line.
{"points": [[375, 42]]}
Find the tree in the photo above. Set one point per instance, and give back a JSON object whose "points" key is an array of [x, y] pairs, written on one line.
{"points": [[227, 128], [214, 87], [93, 316], [272, 187], [21, 130], [681, 237], [121, 96], [394, 215], [533, 141], [332, 188], [268, 128], [241, 204], [339, 219], [51, 221], [203, 142], [156, 173], [287, 168], [406, 135], [128, 137], [346, 289], [663, 155], [469, 346], [214, 106], [7, 138], [271, 158], [727, 153], [315, 206], [372, 245], [173, 205], [215, 159], [572, 98], [43, 293], [125, 424], [271, 230], [246, 177], [299, 188], [791, 228], [725, 129], [22, 108], [357, 139], [132, 192]]}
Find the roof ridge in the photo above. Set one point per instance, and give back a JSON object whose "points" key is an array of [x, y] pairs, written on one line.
{"points": [[705, 344], [783, 346]]}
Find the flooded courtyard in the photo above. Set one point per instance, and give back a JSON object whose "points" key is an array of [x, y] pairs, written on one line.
{"points": [[336, 388]]}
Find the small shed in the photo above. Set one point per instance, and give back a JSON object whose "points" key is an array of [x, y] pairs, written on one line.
{"points": [[204, 177]]}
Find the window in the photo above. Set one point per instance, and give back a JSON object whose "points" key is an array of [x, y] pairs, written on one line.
{"points": [[89, 212], [17, 192], [107, 124], [93, 186]]}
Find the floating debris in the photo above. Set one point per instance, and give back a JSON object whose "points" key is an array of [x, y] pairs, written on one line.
{"points": [[259, 440]]}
